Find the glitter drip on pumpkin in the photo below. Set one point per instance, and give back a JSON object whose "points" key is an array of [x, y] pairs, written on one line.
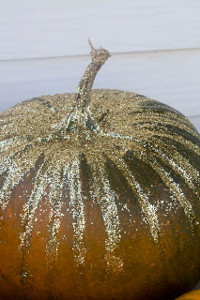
{"points": [[107, 199], [55, 203], [30, 207], [15, 169], [77, 208]]}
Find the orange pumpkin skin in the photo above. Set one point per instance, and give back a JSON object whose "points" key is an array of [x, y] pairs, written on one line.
{"points": [[194, 295], [93, 215], [98, 201]]}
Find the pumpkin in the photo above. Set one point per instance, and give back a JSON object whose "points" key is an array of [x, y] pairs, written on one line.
{"points": [[194, 295], [99, 196]]}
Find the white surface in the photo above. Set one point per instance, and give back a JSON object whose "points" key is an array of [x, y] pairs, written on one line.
{"points": [[43, 28], [170, 77]]}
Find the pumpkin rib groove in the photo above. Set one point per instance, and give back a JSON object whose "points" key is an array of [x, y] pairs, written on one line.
{"points": [[164, 127], [178, 164], [21, 151], [179, 158], [140, 142], [159, 107], [123, 188], [149, 211], [94, 234], [21, 158], [174, 138], [142, 117], [128, 198], [181, 166], [184, 134], [185, 151], [158, 120]]}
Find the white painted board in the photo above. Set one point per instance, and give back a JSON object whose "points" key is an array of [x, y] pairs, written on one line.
{"points": [[46, 28], [170, 77]]}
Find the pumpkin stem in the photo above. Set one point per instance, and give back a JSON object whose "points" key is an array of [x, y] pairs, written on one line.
{"points": [[80, 114], [99, 57]]}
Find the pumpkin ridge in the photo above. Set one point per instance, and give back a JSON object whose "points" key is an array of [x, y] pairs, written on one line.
{"points": [[15, 173], [142, 117], [55, 203], [95, 227], [157, 106], [159, 122], [106, 197], [178, 163], [178, 155], [179, 140], [77, 208], [185, 134], [30, 207], [163, 132], [185, 151]]}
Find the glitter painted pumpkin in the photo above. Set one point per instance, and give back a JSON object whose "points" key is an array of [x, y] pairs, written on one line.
{"points": [[99, 196]]}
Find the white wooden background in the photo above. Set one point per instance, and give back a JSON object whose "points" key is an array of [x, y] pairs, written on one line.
{"points": [[155, 46]]}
